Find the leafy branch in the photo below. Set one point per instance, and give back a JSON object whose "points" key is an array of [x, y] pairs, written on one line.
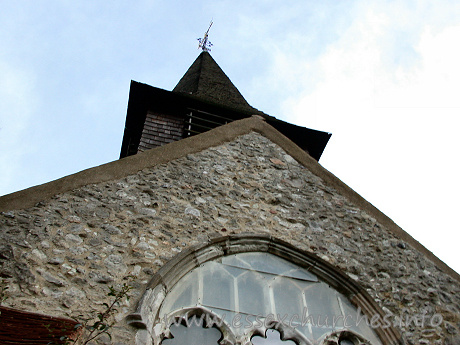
{"points": [[102, 323]]}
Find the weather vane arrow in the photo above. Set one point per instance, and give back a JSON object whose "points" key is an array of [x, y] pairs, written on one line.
{"points": [[204, 44]]}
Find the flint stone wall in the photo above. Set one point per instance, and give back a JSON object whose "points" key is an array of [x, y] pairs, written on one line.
{"points": [[61, 255]]}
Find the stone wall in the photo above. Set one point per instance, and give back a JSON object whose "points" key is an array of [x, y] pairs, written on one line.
{"points": [[62, 254]]}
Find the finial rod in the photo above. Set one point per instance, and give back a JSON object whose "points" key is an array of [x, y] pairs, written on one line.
{"points": [[204, 44]]}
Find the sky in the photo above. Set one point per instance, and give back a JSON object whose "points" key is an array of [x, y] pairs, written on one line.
{"points": [[382, 76]]}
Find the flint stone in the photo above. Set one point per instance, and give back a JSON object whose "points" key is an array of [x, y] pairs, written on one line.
{"points": [[51, 278], [111, 229], [73, 239], [193, 211], [115, 264]]}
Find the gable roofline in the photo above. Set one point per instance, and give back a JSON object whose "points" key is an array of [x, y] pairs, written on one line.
{"points": [[132, 164]]}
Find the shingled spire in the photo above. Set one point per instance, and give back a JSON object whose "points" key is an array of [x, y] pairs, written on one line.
{"points": [[206, 80]]}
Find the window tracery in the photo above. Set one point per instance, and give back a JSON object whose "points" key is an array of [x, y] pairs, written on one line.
{"points": [[246, 287], [188, 331], [247, 290]]}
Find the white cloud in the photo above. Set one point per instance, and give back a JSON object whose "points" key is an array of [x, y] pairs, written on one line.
{"points": [[387, 90], [436, 80]]}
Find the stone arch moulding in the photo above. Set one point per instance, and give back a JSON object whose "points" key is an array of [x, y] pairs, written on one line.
{"points": [[145, 317]]}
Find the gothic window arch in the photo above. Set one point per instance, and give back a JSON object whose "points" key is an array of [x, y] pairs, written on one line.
{"points": [[244, 287]]}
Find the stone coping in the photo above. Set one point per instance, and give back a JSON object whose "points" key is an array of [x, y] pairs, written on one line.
{"points": [[131, 165]]}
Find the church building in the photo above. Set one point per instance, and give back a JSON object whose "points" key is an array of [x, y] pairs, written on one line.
{"points": [[217, 225]]}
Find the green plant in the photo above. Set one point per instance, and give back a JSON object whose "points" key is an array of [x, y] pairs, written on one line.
{"points": [[91, 328], [104, 321]]}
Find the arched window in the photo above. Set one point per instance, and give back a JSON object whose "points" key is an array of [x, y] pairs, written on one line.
{"points": [[253, 289]]}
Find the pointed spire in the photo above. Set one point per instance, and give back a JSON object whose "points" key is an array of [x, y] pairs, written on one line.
{"points": [[206, 80]]}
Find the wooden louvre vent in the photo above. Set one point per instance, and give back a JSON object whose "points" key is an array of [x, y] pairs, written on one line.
{"points": [[197, 121]]}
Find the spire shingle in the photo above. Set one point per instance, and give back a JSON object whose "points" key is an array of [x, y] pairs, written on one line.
{"points": [[206, 80]]}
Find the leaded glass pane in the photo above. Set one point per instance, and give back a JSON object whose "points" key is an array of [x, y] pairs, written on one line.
{"points": [[268, 263], [236, 260], [323, 309], [287, 297], [321, 329], [184, 294], [218, 287], [239, 322], [234, 271], [322, 302], [252, 293], [357, 321]]}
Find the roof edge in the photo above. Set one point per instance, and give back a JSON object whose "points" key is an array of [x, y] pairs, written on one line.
{"points": [[132, 164]]}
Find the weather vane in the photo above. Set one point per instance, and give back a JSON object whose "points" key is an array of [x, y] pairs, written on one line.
{"points": [[204, 44]]}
